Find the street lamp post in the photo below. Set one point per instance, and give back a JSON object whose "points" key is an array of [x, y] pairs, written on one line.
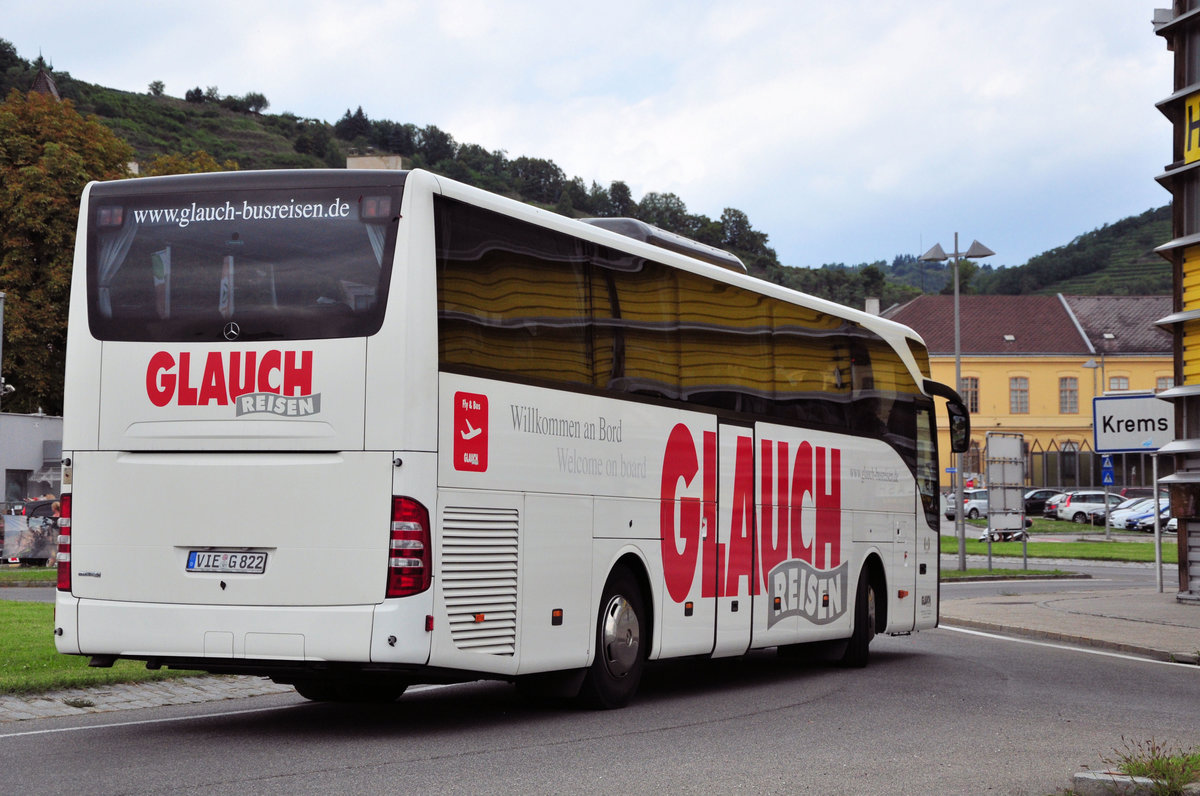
{"points": [[937, 254]]}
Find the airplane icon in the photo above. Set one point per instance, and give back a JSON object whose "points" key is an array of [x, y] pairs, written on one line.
{"points": [[471, 432]]}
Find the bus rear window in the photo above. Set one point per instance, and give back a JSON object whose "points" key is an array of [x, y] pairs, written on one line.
{"points": [[240, 264]]}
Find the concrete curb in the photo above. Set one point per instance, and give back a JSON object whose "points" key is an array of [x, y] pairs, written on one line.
{"points": [[1107, 783], [126, 696]]}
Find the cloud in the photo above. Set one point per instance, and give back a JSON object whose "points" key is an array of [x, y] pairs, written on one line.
{"points": [[846, 133]]}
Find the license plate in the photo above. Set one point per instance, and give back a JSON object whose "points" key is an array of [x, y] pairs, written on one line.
{"points": [[226, 561]]}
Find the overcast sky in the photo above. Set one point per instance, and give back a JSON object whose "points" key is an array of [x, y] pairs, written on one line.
{"points": [[848, 132]]}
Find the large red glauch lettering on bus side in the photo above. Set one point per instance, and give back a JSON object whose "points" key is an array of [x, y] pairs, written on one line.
{"points": [[275, 382], [799, 531]]}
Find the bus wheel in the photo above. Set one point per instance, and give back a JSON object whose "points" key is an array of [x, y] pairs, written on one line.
{"points": [[351, 689], [616, 671], [858, 648], [316, 690]]}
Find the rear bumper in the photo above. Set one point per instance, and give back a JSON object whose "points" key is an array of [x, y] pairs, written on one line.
{"points": [[392, 632]]}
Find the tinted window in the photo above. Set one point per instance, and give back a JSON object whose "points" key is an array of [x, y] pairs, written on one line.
{"points": [[293, 263], [522, 302]]}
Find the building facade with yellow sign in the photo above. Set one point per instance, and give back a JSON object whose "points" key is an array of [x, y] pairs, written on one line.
{"points": [[1032, 365], [1180, 27]]}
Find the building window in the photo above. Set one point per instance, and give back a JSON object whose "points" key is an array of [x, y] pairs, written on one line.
{"points": [[1164, 383], [1069, 461], [16, 486], [1118, 383], [1068, 395], [971, 462], [1018, 395], [970, 393]]}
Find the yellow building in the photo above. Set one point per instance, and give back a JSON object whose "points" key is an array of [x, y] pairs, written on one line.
{"points": [[1032, 364]]}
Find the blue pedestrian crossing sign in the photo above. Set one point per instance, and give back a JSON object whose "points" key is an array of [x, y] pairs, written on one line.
{"points": [[1106, 463], [1107, 477]]}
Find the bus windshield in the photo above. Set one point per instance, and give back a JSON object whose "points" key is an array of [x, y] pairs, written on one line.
{"points": [[259, 264]]}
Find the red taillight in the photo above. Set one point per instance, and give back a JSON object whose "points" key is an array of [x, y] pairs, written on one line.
{"points": [[410, 559], [376, 206], [64, 543]]}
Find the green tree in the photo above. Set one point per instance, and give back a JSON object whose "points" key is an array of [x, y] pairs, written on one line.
{"points": [[966, 270], [156, 88], [664, 210], [538, 180], [435, 145], [256, 102], [351, 127], [48, 152], [872, 280], [620, 199], [564, 207]]}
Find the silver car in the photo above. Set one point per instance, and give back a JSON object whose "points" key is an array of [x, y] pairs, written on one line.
{"points": [[1077, 506], [975, 504]]}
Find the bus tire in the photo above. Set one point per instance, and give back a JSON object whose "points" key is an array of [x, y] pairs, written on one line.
{"points": [[858, 647], [351, 689], [316, 690], [549, 687], [616, 670]]}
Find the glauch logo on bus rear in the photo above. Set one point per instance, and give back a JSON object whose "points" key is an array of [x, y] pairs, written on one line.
{"points": [[252, 382]]}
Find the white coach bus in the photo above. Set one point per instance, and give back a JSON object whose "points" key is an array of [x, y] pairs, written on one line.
{"points": [[354, 430]]}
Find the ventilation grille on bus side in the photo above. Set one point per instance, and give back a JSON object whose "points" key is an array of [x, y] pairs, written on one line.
{"points": [[479, 578]]}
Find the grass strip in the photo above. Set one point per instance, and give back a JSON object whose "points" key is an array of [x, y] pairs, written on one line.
{"points": [[30, 664], [1099, 550], [996, 572], [40, 575]]}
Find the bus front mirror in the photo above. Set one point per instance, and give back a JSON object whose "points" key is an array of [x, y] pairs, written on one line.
{"points": [[960, 426]]}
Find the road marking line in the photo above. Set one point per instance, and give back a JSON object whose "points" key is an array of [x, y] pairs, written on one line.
{"points": [[1066, 647]]}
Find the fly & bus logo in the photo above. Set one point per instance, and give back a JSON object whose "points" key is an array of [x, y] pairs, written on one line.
{"points": [[797, 560], [267, 382], [470, 432]]}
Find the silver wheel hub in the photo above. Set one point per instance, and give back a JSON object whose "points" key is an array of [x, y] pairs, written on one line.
{"points": [[620, 636]]}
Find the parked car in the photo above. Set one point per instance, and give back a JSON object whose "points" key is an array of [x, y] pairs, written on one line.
{"points": [[1050, 511], [1121, 512], [1076, 506], [1137, 491], [1035, 500], [975, 504], [1143, 520]]}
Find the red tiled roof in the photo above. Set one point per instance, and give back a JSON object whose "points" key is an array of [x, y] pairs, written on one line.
{"points": [[1129, 319], [1046, 325], [1037, 325]]}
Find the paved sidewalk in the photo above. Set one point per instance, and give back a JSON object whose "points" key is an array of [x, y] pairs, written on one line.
{"points": [[1139, 621], [102, 699]]}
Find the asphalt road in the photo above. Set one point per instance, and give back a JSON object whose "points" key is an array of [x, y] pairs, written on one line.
{"points": [[939, 712]]}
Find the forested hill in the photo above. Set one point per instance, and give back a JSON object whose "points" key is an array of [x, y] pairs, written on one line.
{"points": [[1116, 259], [237, 131]]}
